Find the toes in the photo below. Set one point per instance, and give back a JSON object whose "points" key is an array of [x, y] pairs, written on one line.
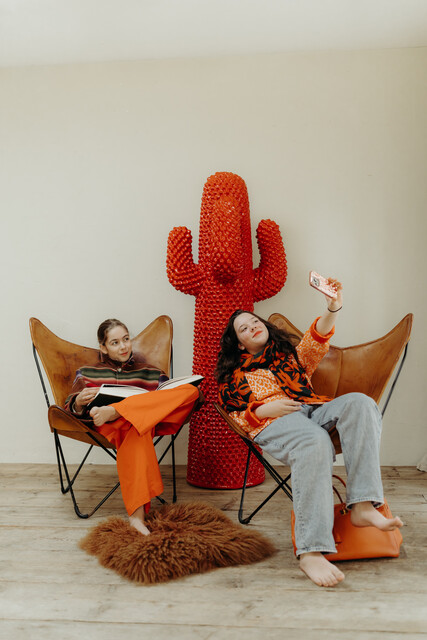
{"points": [[337, 573], [324, 577], [330, 581], [391, 524]]}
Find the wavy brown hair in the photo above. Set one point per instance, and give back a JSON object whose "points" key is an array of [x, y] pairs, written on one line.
{"points": [[229, 353]]}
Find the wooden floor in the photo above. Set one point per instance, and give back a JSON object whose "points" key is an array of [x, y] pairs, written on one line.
{"points": [[50, 589]]}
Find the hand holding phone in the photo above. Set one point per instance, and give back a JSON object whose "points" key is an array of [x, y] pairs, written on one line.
{"points": [[322, 284]]}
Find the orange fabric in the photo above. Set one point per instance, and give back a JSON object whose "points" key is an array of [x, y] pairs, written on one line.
{"points": [[312, 347], [264, 386], [132, 434], [354, 543]]}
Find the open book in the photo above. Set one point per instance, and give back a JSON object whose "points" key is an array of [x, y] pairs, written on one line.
{"points": [[110, 393]]}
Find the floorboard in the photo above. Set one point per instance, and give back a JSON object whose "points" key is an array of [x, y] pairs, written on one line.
{"points": [[51, 589]]}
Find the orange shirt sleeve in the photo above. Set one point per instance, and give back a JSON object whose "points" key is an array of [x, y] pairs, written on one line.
{"points": [[312, 348]]}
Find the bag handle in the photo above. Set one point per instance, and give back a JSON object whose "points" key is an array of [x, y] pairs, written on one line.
{"points": [[336, 490], [343, 511]]}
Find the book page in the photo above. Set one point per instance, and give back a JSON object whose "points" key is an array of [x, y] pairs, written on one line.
{"points": [[176, 382]]}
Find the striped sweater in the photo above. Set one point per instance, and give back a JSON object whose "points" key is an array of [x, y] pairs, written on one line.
{"points": [[134, 372]]}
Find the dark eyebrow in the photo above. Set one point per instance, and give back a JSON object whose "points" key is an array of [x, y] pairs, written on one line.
{"points": [[115, 339]]}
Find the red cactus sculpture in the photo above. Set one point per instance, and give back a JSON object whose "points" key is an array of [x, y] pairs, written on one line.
{"points": [[222, 281]]}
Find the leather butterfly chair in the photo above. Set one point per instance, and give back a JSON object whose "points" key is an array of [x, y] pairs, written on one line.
{"points": [[366, 368], [60, 360]]}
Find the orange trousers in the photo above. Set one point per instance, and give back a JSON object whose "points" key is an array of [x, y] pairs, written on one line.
{"points": [[142, 417]]}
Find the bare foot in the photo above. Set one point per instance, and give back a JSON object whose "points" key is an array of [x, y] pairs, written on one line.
{"points": [[364, 514], [319, 570], [101, 415], [137, 520], [137, 524]]}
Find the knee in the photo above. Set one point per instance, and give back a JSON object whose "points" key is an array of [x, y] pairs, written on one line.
{"points": [[361, 402], [362, 409], [317, 445]]}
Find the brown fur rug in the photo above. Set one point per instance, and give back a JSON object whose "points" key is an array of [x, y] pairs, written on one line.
{"points": [[185, 539]]}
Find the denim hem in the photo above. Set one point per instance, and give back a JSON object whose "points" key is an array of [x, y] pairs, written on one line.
{"points": [[377, 502], [314, 550]]}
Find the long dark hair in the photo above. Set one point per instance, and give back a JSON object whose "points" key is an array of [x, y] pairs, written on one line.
{"points": [[229, 354]]}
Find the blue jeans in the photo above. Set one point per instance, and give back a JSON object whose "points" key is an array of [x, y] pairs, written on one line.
{"points": [[301, 441]]}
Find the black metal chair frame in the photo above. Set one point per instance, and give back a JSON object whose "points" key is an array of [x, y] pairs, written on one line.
{"points": [[283, 483], [67, 483]]}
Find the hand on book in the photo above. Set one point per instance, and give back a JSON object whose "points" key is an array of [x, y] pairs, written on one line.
{"points": [[84, 398]]}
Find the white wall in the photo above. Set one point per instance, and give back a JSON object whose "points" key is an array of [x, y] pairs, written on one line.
{"points": [[99, 162]]}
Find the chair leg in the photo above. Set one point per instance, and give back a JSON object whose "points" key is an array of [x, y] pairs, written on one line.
{"points": [[282, 483], [171, 446], [396, 377], [62, 465], [243, 520], [174, 497], [68, 487]]}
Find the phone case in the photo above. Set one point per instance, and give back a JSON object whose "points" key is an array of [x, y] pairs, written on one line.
{"points": [[321, 284]]}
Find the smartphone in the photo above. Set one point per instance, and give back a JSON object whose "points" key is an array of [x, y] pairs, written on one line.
{"points": [[321, 284]]}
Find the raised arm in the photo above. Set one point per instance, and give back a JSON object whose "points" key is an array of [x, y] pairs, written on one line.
{"points": [[183, 273], [270, 275], [326, 322]]}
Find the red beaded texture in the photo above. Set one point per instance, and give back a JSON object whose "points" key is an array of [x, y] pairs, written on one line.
{"points": [[223, 280]]}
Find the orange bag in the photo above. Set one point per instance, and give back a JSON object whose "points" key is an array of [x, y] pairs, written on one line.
{"points": [[355, 543]]}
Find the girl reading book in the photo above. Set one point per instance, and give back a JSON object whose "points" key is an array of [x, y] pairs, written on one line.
{"points": [[129, 424], [265, 386]]}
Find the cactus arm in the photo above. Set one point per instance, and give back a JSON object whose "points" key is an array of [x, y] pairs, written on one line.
{"points": [[182, 272], [270, 275]]}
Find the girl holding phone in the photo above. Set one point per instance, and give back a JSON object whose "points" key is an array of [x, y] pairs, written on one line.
{"points": [[264, 384]]}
